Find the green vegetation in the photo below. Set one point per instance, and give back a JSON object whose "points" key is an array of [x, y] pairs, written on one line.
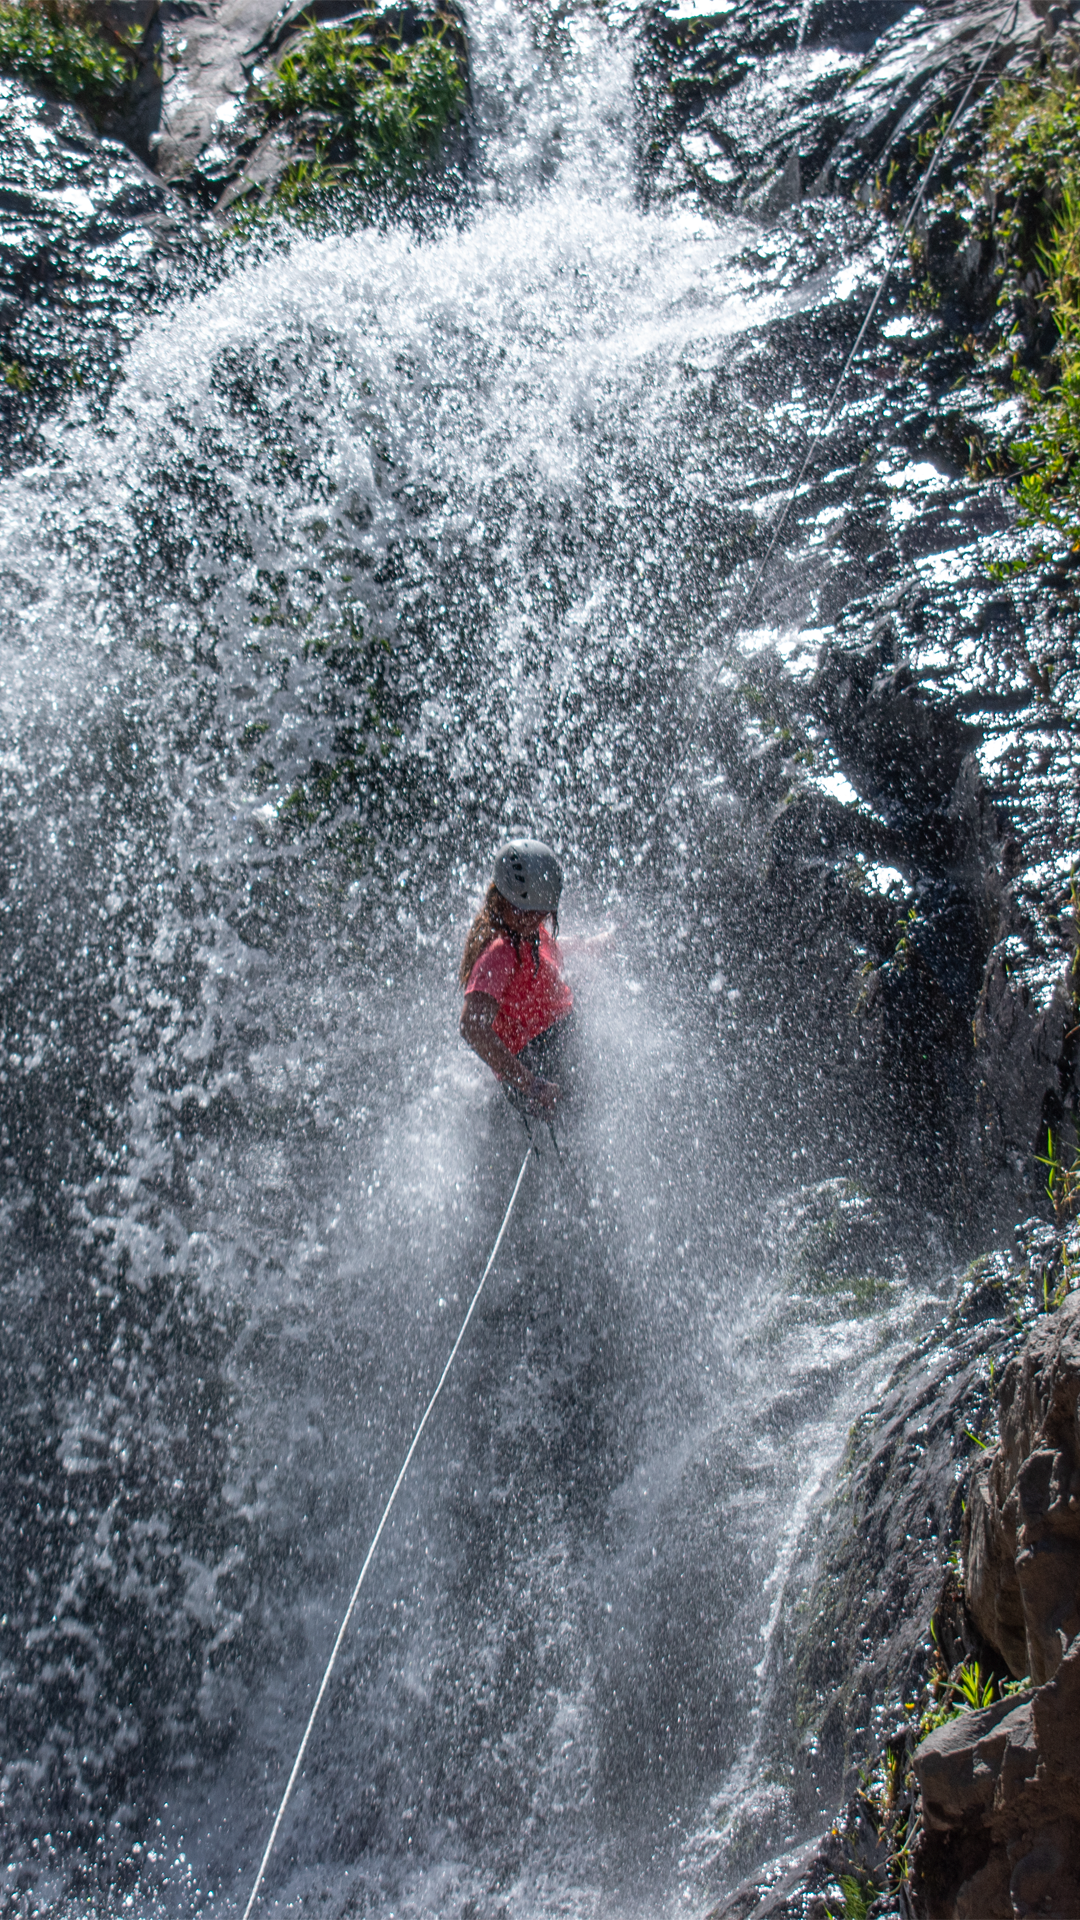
{"points": [[62, 47], [965, 1691], [1034, 174], [378, 106], [391, 101], [857, 1898], [886, 1797], [1062, 1180]]}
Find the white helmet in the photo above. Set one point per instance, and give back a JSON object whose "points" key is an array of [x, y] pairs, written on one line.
{"points": [[529, 876]]}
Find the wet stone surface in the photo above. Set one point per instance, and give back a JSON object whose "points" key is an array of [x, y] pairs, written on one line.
{"points": [[850, 1679], [860, 1648], [89, 243], [896, 740], [754, 108]]}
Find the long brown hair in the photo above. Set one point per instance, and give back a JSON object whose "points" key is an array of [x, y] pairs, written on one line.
{"points": [[489, 925]]}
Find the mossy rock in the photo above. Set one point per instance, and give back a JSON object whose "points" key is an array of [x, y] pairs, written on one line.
{"points": [[356, 117], [69, 51], [833, 1239]]}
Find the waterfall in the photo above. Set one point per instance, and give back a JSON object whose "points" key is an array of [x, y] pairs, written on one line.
{"points": [[384, 543]]}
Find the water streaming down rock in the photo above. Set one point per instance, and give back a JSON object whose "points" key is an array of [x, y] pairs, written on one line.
{"points": [[387, 543]]}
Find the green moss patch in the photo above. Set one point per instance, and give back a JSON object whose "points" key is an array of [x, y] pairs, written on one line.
{"points": [[1035, 155], [65, 50], [1000, 262]]}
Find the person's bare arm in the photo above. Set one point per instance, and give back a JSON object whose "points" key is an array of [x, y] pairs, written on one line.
{"points": [[589, 944], [477, 1030]]}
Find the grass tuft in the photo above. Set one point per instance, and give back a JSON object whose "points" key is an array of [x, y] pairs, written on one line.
{"points": [[1034, 149], [378, 108], [61, 45]]}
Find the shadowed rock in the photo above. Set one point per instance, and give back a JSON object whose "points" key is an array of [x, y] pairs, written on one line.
{"points": [[1001, 1808], [1001, 1788], [1022, 1559]]}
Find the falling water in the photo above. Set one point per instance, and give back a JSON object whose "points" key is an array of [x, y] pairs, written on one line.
{"points": [[458, 511]]}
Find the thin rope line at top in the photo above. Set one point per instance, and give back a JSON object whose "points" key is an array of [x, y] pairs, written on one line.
{"points": [[369, 1556]]}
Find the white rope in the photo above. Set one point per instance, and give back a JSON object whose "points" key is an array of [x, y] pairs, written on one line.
{"points": [[782, 512], [344, 1627]]}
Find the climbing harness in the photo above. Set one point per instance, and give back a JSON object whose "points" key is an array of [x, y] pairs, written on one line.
{"points": [[776, 528], [377, 1535], [530, 1130], [781, 513]]}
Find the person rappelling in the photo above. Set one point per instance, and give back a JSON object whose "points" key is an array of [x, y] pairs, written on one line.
{"points": [[518, 1012]]}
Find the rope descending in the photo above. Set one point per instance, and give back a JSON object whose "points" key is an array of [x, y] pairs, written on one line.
{"points": [[369, 1556]]}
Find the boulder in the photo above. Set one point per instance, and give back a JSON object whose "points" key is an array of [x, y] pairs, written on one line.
{"points": [[1001, 1808], [1022, 1526], [1001, 1788]]}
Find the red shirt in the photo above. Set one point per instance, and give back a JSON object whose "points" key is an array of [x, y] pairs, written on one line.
{"points": [[531, 997]]}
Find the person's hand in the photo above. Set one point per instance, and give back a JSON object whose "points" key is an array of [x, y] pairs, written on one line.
{"points": [[542, 1096]]}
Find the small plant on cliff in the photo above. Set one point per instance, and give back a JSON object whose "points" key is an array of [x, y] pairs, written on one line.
{"points": [[59, 44], [857, 1898], [966, 1690], [1062, 1182], [976, 1691]]}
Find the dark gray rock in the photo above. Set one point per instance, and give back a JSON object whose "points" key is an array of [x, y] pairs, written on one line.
{"points": [[208, 55], [902, 752], [863, 1646], [751, 111], [89, 242], [959, 1763], [1000, 1794], [1022, 1525]]}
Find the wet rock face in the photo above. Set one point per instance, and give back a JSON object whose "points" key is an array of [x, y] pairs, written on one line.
{"points": [[1001, 1788], [999, 1811], [1001, 1807], [862, 1647], [757, 107], [940, 698], [904, 753], [801, 1885], [1022, 1547], [89, 241]]}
